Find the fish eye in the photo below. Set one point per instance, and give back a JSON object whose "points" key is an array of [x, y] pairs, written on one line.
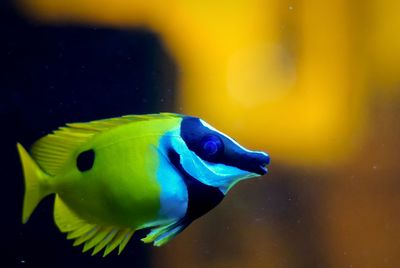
{"points": [[211, 146]]}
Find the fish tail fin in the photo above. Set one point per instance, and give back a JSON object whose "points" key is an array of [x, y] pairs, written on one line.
{"points": [[36, 187]]}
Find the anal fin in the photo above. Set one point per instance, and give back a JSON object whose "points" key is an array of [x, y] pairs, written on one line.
{"points": [[90, 234]]}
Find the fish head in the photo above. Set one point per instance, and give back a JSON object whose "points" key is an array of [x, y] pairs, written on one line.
{"points": [[213, 158]]}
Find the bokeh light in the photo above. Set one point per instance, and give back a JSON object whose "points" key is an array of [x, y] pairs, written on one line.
{"points": [[314, 83]]}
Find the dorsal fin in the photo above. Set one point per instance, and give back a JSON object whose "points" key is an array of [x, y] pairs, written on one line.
{"points": [[106, 124], [52, 151], [89, 234]]}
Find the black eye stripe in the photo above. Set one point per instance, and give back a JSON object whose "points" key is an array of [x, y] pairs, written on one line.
{"points": [[193, 132], [85, 160], [196, 136]]}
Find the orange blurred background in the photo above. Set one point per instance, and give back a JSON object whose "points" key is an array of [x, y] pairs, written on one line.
{"points": [[314, 83]]}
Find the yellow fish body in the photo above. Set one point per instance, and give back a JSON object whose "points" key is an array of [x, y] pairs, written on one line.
{"points": [[112, 177]]}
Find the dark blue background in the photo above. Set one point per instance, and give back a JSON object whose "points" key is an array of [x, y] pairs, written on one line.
{"points": [[51, 75]]}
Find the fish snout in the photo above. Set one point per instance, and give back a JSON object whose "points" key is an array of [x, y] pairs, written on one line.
{"points": [[262, 160]]}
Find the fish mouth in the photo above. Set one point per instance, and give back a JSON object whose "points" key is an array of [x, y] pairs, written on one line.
{"points": [[263, 160], [263, 169]]}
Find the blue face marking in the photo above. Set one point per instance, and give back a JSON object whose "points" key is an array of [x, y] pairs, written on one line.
{"points": [[173, 195], [209, 173], [197, 205], [215, 147]]}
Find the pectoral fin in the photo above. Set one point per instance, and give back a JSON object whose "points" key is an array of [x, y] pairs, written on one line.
{"points": [[163, 234]]}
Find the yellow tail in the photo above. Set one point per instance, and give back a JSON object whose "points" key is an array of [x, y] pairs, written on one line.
{"points": [[36, 187]]}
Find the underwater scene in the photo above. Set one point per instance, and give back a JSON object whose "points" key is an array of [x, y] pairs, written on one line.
{"points": [[156, 134]]}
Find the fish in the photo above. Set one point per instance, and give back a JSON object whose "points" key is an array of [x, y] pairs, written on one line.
{"points": [[114, 176]]}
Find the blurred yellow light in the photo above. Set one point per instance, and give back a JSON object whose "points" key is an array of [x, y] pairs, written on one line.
{"points": [[287, 78]]}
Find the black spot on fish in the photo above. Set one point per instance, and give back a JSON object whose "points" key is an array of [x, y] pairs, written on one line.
{"points": [[85, 160]]}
